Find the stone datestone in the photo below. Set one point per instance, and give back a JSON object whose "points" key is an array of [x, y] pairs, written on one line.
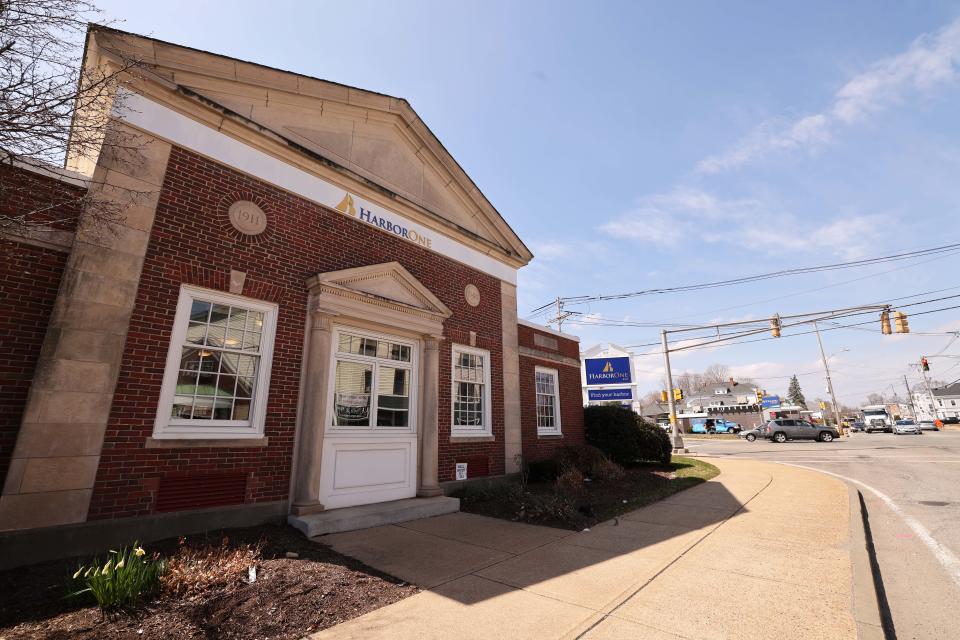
{"points": [[247, 218], [472, 294]]}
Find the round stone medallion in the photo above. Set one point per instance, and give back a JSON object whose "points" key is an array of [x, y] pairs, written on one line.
{"points": [[247, 218], [472, 294]]}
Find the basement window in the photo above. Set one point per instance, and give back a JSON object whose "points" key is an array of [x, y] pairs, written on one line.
{"points": [[218, 367]]}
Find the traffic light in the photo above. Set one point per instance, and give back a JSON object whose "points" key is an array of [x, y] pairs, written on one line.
{"points": [[759, 396], [823, 405], [885, 322], [678, 394], [924, 364], [663, 396], [900, 321], [775, 325]]}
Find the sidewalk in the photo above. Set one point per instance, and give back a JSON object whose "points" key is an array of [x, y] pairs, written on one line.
{"points": [[761, 551]]}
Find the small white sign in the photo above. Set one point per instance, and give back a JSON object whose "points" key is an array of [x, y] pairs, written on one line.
{"points": [[461, 471]]}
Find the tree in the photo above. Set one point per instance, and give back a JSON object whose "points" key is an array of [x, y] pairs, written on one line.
{"points": [[51, 109], [794, 394], [716, 373], [876, 398]]}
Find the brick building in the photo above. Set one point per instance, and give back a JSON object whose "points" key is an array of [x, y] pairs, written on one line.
{"points": [[308, 306]]}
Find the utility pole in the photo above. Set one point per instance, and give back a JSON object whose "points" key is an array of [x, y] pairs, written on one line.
{"points": [[674, 424], [561, 314], [826, 368], [926, 384], [913, 409]]}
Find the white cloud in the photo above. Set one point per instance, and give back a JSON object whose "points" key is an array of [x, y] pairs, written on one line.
{"points": [[684, 215], [930, 61]]}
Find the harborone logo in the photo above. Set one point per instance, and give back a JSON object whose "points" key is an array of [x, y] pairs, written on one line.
{"points": [[348, 207], [608, 370]]}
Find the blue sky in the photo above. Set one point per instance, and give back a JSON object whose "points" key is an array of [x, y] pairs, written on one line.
{"points": [[638, 145]]}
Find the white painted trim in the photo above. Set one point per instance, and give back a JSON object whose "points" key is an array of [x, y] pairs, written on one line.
{"points": [[540, 327], [556, 429], [50, 171], [215, 429], [157, 119], [486, 429]]}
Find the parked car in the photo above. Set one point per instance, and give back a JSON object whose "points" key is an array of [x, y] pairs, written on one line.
{"points": [[857, 425], [902, 427], [927, 425], [951, 420], [752, 434], [783, 429], [713, 425]]}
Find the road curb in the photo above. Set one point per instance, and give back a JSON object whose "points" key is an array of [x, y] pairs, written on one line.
{"points": [[866, 579]]}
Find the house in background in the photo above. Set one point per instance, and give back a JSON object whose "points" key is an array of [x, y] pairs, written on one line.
{"points": [[730, 400]]}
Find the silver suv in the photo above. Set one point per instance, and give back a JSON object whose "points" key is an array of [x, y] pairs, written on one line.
{"points": [[783, 429]]}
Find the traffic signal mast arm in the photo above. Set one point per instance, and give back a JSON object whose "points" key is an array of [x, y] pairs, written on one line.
{"points": [[777, 323]]}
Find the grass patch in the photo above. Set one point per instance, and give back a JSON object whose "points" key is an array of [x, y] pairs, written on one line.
{"points": [[568, 506]]}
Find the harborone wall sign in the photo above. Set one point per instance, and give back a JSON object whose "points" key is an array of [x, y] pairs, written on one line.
{"points": [[608, 370], [348, 207]]}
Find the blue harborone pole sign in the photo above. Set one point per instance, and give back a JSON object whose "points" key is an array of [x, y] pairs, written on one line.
{"points": [[608, 370], [600, 395]]}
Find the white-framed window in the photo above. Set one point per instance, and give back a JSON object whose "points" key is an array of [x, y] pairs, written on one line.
{"points": [[373, 384], [218, 367], [470, 391], [548, 401]]}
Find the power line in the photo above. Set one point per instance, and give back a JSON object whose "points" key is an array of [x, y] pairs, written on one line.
{"points": [[759, 277]]}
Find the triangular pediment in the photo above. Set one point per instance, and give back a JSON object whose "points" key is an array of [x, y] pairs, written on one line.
{"points": [[389, 282], [377, 137]]}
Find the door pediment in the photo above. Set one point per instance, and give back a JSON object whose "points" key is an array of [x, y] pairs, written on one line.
{"points": [[385, 293]]}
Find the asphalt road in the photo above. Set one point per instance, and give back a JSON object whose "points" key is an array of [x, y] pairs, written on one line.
{"points": [[911, 486]]}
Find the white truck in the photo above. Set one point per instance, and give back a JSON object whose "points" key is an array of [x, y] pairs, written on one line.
{"points": [[876, 418]]}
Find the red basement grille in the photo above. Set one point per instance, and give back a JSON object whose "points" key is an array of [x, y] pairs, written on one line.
{"points": [[179, 493]]}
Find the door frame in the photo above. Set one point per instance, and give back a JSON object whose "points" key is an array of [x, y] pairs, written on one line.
{"points": [[343, 440]]}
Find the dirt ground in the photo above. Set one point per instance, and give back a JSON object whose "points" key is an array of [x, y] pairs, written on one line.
{"points": [[543, 504], [289, 599]]}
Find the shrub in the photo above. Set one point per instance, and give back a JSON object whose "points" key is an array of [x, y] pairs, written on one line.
{"points": [[624, 437], [590, 461], [570, 482], [192, 570], [543, 471], [122, 581]]}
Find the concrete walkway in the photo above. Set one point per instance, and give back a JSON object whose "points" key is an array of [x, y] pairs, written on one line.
{"points": [[761, 551]]}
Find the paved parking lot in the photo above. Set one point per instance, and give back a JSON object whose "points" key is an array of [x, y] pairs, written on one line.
{"points": [[911, 487]]}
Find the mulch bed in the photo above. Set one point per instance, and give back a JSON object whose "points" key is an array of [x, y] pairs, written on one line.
{"points": [[598, 501], [289, 599]]}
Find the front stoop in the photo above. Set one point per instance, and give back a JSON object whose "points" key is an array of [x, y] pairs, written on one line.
{"points": [[373, 515]]}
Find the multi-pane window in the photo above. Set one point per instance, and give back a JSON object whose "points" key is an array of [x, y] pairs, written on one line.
{"points": [[548, 401], [372, 378], [217, 366], [471, 391]]}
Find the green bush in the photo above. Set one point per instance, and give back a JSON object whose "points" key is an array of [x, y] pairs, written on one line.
{"points": [[589, 461], [122, 581], [624, 437]]}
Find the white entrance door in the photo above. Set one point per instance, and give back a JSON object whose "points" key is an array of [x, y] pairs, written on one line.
{"points": [[370, 445]]}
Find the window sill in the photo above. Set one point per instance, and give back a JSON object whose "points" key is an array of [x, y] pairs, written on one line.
{"points": [[204, 443], [471, 438], [550, 436]]}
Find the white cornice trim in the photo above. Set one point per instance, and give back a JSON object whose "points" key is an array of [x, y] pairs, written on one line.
{"points": [[162, 121]]}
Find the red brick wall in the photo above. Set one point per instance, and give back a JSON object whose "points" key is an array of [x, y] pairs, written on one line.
{"points": [[190, 243], [29, 280], [571, 397]]}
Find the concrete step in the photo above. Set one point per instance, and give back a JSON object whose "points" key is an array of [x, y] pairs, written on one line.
{"points": [[373, 515]]}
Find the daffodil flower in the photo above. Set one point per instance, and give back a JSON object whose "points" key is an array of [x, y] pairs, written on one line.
{"points": [[77, 574], [139, 551], [106, 567], [121, 563]]}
